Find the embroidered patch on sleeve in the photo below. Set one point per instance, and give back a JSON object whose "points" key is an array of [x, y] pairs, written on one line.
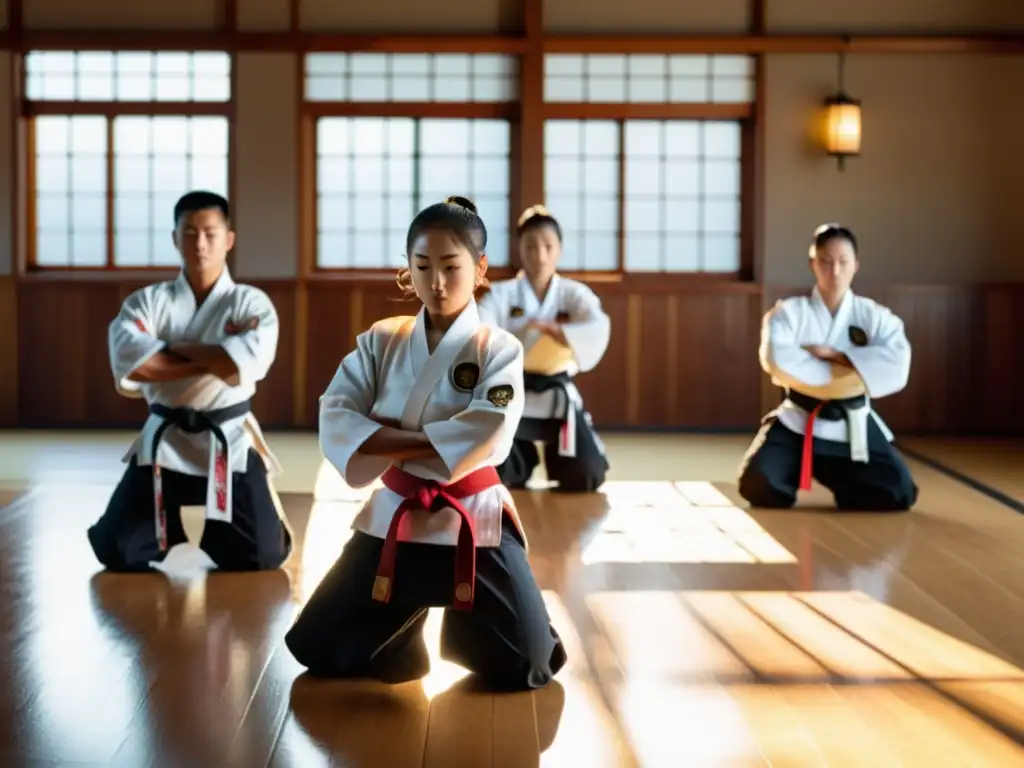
{"points": [[465, 376], [501, 395]]}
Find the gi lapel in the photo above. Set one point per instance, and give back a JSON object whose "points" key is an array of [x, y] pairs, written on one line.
{"points": [[431, 368], [839, 322], [549, 307], [857, 418], [202, 316]]}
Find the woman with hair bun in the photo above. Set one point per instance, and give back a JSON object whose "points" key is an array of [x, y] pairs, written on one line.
{"points": [[565, 332], [429, 406], [832, 352]]}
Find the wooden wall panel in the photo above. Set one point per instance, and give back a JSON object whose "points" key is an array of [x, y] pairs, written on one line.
{"points": [[8, 352], [967, 352], [272, 404], [63, 366], [676, 360]]}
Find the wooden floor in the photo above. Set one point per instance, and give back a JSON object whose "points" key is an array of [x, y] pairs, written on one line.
{"points": [[699, 633]]}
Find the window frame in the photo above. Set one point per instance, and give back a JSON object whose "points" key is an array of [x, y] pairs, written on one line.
{"points": [[745, 113], [651, 278], [110, 110], [312, 111]]}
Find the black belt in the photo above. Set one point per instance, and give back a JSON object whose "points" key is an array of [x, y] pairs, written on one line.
{"points": [[196, 422], [831, 410], [536, 382]]}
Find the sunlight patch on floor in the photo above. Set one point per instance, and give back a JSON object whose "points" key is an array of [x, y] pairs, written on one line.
{"points": [[691, 522], [797, 678]]}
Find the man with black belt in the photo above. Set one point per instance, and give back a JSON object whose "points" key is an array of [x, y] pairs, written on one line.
{"points": [[832, 352], [194, 349]]}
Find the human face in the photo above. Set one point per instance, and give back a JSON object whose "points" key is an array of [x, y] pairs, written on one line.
{"points": [[204, 239], [834, 265], [539, 250], [444, 273]]}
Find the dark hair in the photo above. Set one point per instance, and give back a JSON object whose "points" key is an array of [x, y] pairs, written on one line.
{"points": [[537, 217], [457, 215], [826, 233], [200, 200]]}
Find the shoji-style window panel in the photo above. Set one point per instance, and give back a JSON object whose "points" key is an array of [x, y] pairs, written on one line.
{"points": [[682, 196], [128, 76], [411, 77], [104, 188], [375, 173], [650, 79], [581, 187]]}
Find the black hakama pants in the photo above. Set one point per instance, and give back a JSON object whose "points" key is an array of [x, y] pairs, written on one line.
{"points": [[506, 639], [256, 539], [583, 473], [770, 472]]}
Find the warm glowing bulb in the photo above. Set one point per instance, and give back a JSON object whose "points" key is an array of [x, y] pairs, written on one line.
{"points": [[842, 128]]}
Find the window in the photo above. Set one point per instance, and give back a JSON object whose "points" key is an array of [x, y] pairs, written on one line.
{"points": [[153, 160], [106, 76], [679, 186], [581, 186], [118, 137], [652, 79], [682, 196], [71, 191], [410, 77], [375, 173]]}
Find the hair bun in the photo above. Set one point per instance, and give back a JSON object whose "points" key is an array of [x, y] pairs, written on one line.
{"points": [[462, 202], [534, 210]]}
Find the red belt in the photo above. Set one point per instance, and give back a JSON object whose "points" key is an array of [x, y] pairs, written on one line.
{"points": [[807, 462], [419, 493]]}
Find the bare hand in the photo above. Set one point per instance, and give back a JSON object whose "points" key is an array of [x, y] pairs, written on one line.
{"points": [[385, 422], [828, 354], [554, 330], [821, 352], [186, 349]]}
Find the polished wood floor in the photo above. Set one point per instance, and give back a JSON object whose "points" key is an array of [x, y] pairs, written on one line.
{"points": [[700, 633]]}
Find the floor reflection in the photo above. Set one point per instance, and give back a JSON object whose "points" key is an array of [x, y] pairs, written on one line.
{"points": [[365, 724], [197, 650]]}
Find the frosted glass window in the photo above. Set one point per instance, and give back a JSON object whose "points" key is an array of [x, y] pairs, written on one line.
{"points": [[682, 196], [374, 174], [581, 187], [106, 76], [651, 79], [411, 77], [70, 191], [156, 161]]}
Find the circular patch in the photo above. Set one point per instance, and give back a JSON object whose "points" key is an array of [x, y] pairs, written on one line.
{"points": [[465, 376], [516, 312], [858, 337], [463, 593], [501, 395]]}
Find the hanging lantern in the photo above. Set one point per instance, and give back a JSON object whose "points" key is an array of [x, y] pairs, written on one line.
{"points": [[842, 131]]}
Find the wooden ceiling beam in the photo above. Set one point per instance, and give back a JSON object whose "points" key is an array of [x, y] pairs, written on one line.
{"points": [[227, 40]]}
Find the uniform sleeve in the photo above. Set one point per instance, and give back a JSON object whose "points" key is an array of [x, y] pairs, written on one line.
{"points": [[482, 434], [132, 341], [783, 357], [489, 308], [254, 350], [344, 416], [589, 330], [884, 364]]}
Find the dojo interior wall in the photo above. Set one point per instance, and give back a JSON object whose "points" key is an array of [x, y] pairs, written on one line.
{"points": [[936, 198]]}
